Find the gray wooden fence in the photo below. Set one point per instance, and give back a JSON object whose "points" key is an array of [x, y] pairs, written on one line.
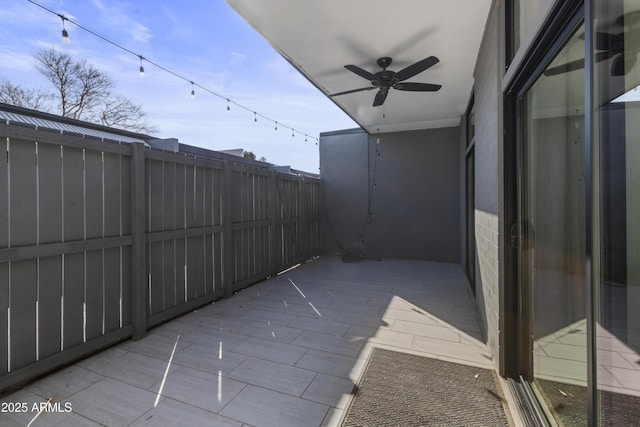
{"points": [[101, 240]]}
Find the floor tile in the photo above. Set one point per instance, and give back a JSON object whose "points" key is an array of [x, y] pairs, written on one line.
{"points": [[173, 413], [113, 403], [206, 391], [321, 325], [269, 350], [261, 407], [331, 343], [208, 359], [270, 332], [381, 336], [135, 369], [273, 376], [427, 330], [332, 391], [332, 364], [64, 383]]}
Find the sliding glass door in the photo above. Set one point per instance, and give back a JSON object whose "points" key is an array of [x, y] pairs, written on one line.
{"points": [[552, 223], [616, 114]]}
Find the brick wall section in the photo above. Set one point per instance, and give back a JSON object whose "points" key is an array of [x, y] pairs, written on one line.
{"points": [[488, 124]]}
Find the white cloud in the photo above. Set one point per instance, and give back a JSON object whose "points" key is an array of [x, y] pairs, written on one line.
{"points": [[237, 57], [119, 17], [282, 70]]}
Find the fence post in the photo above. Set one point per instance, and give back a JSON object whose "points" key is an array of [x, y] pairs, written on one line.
{"points": [[138, 250], [227, 231]]}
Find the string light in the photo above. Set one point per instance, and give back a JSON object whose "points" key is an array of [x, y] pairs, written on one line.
{"points": [[65, 39], [65, 34], [292, 134]]}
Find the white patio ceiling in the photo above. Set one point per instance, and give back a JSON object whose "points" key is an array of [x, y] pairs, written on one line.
{"points": [[320, 37]]}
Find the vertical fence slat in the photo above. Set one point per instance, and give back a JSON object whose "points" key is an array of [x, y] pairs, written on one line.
{"points": [[126, 291], [4, 198], [111, 289], [94, 294], [22, 165], [73, 318], [4, 310], [180, 270], [112, 206], [169, 188], [50, 195], [227, 238], [94, 197], [23, 313], [156, 271], [49, 305], [73, 204], [155, 190], [168, 266], [138, 264]]}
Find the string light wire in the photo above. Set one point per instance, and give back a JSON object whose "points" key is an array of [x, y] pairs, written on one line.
{"points": [[166, 70]]}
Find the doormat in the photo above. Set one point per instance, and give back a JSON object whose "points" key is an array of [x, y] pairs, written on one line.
{"points": [[399, 389]]}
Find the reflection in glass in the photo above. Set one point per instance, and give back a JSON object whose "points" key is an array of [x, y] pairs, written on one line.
{"points": [[617, 134], [553, 221], [526, 15]]}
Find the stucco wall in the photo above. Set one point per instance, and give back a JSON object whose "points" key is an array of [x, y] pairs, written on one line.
{"points": [[413, 179]]}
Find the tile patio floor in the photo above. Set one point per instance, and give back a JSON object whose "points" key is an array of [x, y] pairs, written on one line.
{"points": [[285, 352]]}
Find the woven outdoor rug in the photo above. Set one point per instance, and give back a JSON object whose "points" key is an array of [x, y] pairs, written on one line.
{"points": [[399, 389], [569, 403]]}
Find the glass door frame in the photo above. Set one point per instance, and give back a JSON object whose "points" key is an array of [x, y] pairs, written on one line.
{"points": [[515, 317]]}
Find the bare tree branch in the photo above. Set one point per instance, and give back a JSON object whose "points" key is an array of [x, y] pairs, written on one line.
{"points": [[85, 93], [120, 112], [27, 98]]}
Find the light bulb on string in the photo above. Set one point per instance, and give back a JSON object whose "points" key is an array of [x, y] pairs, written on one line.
{"points": [[66, 39], [305, 137], [65, 34]]}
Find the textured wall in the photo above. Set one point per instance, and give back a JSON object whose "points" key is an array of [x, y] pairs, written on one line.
{"points": [[488, 101], [410, 182]]}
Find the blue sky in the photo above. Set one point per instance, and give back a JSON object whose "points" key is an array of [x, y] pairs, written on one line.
{"points": [[202, 40]]}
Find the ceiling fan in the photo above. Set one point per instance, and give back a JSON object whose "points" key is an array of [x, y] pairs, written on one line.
{"points": [[610, 45], [387, 79]]}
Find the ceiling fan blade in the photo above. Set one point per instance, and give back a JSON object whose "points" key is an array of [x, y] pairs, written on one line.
{"points": [[380, 97], [417, 68], [576, 65], [565, 68], [352, 91], [359, 71], [417, 87]]}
